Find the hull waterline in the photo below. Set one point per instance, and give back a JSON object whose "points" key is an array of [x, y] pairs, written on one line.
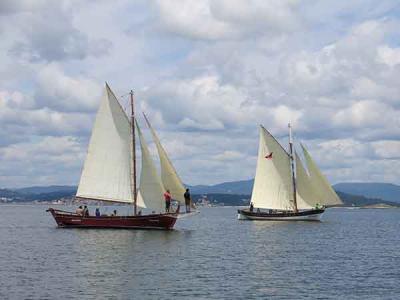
{"points": [[307, 215], [155, 221]]}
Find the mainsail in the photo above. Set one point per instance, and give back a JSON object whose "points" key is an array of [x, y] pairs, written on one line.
{"points": [[169, 176], [327, 196], [272, 184], [106, 174], [151, 188]]}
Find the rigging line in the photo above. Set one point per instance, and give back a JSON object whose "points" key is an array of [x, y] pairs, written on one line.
{"points": [[125, 95]]}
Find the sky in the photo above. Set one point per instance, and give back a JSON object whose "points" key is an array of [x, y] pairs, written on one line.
{"points": [[206, 73]]}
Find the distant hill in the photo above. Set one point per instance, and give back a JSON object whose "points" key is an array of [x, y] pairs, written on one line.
{"points": [[46, 189], [226, 199], [229, 193], [243, 200], [384, 191], [37, 193], [356, 200], [242, 187]]}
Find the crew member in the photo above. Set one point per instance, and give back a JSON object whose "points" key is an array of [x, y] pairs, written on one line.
{"points": [[79, 211], [167, 197], [186, 195]]}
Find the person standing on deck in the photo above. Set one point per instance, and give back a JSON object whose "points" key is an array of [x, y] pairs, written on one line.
{"points": [[167, 197], [86, 211], [186, 195], [79, 211]]}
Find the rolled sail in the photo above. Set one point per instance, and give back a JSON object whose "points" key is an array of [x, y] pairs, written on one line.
{"points": [[106, 173], [150, 187], [169, 176], [324, 191], [272, 184]]}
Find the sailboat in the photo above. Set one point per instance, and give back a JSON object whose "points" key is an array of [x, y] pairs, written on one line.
{"points": [[283, 191], [109, 174]]}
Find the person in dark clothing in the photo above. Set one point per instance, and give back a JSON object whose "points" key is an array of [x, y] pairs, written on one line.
{"points": [[167, 197], [251, 207], [98, 212], [188, 200], [86, 211]]}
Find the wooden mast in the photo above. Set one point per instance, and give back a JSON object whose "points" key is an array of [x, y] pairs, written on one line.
{"points": [[292, 167], [133, 154]]}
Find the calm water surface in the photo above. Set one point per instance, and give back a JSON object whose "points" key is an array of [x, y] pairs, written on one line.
{"points": [[352, 254]]}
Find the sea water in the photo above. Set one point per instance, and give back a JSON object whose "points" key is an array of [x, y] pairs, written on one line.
{"points": [[351, 254]]}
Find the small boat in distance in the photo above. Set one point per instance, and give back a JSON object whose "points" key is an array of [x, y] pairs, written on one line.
{"points": [[279, 193], [109, 174]]}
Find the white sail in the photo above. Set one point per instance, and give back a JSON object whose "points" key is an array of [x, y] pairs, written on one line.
{"points": [[326, 195], [151, 188], [169, 176], [272, 184], [106, 174], [305, 191]]}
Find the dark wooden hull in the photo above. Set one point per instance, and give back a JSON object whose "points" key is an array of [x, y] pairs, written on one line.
{"points": [[306, 215], [155, 221]]}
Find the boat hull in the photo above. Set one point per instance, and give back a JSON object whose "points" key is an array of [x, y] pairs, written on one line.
{"points": [[155, 221], [307, 215]]}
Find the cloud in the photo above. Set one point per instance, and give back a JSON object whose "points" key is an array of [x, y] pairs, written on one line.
{"points": [[207, 73], [212, 20], [58, 157], [204, 103], [21, 118], [61, 92], [9, 7], [47, 33]]}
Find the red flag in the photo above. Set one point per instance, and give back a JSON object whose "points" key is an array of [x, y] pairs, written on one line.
{"points": [[269, 156]]}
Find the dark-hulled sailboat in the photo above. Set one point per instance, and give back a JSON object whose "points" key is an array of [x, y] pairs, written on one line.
{"points": [[109, 174], [279, 193]]}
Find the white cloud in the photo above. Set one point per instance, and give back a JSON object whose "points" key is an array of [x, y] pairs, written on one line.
{"points": [[45, 32], [207, 73], [59, 91], [58, 158], [212, 20]]}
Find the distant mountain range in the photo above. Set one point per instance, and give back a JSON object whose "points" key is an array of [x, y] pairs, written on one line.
{"points": [[228, 192], [385, 191], [46, 189], [242, 187]]}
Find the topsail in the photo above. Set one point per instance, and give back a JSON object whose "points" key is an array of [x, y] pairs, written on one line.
{"points": [[169, 176], [151, 188], [318, 182]]}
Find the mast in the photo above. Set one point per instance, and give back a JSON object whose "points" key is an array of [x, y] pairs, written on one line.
{"points": [[133, 155], [292, 167]]}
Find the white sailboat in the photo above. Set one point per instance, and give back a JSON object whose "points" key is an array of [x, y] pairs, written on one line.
{"points": [[109, 174], [282, 191]]}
